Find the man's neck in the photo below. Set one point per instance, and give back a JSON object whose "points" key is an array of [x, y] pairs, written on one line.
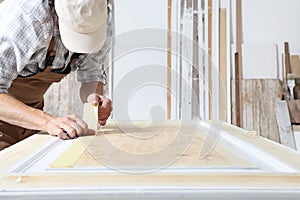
{"points": [[51, 3]]}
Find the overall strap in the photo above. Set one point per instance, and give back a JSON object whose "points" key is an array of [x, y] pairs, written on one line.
{"points": [[50, 53]]}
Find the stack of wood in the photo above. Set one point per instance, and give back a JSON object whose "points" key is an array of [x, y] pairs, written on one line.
{"points": [[268, 107], [255, 85], [291, 84], [288, 108]]}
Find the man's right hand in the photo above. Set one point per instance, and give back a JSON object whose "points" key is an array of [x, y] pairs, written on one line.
{"points": [[20, 114], [67, 127]]}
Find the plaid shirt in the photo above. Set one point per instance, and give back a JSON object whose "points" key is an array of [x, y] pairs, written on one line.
{"points": [[26, 28]]}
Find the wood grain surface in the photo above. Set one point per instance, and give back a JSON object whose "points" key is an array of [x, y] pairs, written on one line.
{"points": [[159, 145], [258, 97]]}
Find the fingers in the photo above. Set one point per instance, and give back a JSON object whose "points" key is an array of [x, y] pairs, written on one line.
{"points": [[104, 111], [104, 107], [91, 132], [80, 126], [63, 135], [68, 127], [83, 127]]}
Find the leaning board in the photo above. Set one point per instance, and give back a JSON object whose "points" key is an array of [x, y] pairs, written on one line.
{"points": [[169, 159]]}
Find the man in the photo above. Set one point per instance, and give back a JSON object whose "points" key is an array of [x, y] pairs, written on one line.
{"points": [[41, 41]]}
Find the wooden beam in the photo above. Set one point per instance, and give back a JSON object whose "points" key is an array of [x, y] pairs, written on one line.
{"points": [[287, 58], [259, 109], [294, 110], [169, 60], [210, 4], [195, 70], [239, 59], [284, 124], [238, 92], [296, 65], [223, 67]]}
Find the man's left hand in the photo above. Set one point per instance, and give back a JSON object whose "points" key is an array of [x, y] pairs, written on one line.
{"points": [[104, 107]]}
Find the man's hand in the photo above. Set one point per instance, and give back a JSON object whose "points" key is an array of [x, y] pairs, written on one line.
{"points": [[104, 107], [68, 127]]}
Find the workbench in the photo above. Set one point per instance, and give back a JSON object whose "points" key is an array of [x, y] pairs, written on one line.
{"points": [[151, 160]]}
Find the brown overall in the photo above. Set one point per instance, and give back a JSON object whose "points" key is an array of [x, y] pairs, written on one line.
{"points": [[29, 90]]}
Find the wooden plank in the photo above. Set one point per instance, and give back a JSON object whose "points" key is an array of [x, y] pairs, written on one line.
{"points": [[233, 103], [215, 59], [263, 100], [154, 186], [296, 65], [258, 100], [186, 51], [296, 129], [195, 69], [210, 55], [244, 110], [254, 89], [272, 94], [169, 60], [294, 110], [284, 124], [223, 66], [287, 58], [284, 88], [239, 70], [203, 67], [238, 92]]}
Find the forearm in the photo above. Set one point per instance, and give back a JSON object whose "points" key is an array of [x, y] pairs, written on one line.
{"points": [[17, 113], [90, 88]]}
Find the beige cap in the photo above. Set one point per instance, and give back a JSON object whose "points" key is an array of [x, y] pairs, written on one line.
{"points": [[82, 24]]}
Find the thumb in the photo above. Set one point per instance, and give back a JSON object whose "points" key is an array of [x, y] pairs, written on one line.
{"points": [[94, 99]]}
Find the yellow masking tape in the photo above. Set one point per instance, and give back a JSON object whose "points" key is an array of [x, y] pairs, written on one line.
{"points": [[71, 155], [90, 116]]}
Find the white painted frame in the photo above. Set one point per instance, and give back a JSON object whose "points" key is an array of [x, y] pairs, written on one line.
{"points": [[215, 61], [186, 51], [229, 61], [203, 70], [175, 62]]}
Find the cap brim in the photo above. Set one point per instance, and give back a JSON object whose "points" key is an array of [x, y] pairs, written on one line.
{"points": [[82, 42]]}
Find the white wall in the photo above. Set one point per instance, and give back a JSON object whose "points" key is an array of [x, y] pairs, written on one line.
{"points": [[272, 21], [136, 93], [267, 24]]}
